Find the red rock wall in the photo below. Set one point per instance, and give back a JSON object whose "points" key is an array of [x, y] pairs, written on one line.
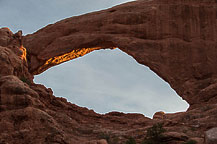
{"points": [[175, 39]]}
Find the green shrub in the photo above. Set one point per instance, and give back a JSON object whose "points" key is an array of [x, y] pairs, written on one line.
{"points": [[155, 135], [131, 141], [190, 142]]}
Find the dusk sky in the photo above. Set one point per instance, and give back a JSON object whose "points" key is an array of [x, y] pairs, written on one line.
{"points": [[104, 80]]}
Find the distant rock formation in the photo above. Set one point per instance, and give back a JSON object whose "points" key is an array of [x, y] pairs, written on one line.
{"points": [[175, 38]]}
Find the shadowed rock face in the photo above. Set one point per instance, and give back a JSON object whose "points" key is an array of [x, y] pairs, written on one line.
{"points": [[175, 39]]}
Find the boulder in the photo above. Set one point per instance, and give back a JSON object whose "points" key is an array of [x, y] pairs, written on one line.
{"points": [[211, 136]]}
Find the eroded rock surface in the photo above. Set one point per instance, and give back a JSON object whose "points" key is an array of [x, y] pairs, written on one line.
{"points": [[210, 136], [176, 39]]}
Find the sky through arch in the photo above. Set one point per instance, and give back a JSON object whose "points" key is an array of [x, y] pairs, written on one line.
{"points": [[111, 80]]}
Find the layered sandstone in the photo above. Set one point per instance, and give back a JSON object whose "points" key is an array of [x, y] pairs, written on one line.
{"points": [[176, 39]]}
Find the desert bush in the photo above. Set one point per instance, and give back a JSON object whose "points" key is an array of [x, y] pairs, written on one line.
{"points": [[155, 135], [131, 141], [190, 142]]}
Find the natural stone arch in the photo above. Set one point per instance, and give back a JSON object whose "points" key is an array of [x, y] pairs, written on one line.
{"points": [[173, 41]]}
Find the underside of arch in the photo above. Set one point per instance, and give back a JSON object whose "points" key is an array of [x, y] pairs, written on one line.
{"points": [[65, 57]]}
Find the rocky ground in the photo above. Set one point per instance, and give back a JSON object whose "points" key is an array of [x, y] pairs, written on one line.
{"points": [[176, 39]]}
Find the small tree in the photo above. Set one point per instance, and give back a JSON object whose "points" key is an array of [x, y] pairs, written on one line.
{"points": [[131, 141], [155, 134]]}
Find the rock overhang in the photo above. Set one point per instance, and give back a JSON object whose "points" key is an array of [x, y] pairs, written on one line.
{"points": [[175, 39]]}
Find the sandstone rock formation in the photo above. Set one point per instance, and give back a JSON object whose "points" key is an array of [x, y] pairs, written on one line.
{"points": [[159, 115], [176, 39]]}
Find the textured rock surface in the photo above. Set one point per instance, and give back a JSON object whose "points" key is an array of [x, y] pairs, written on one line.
{"points": [[11, 55], [176, 39], [211, 136], [159, 115]]}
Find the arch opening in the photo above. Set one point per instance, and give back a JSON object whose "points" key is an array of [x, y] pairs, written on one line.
{"points": [[111, 80]]}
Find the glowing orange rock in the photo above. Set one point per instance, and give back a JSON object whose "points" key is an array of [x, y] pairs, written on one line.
{"points": [[65, 57], [23, 56]]}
